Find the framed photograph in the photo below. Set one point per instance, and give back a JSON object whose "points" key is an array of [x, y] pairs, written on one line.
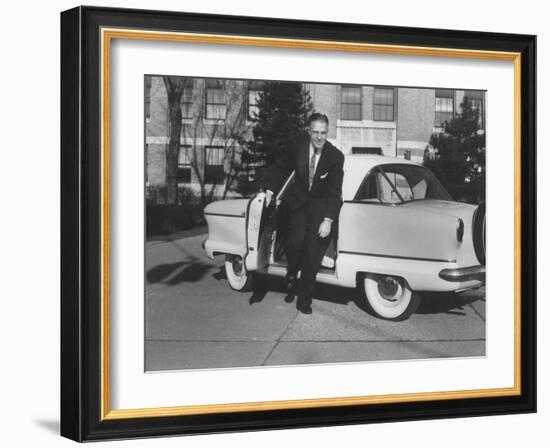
{"points": [[276, 223]]}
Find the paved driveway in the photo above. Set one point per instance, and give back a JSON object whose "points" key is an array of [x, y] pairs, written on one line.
{"points": [[195, 320]]}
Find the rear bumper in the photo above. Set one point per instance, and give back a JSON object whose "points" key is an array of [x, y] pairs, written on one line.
{"points": [[463, 274]]}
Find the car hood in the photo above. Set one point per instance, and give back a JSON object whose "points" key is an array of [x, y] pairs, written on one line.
{"points": [[449, 208]]}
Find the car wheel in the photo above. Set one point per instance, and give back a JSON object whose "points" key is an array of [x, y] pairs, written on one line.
{"points": [[390, 297], [237, 276]]}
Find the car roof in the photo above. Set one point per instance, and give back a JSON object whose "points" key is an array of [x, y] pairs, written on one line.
{"points": [[356, 167]]}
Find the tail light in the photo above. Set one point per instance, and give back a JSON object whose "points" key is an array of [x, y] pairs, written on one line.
{"points": [[459, 230], [478, 232]]}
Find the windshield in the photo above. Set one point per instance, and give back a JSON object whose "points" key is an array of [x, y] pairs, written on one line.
{"points": [[397, 183]]}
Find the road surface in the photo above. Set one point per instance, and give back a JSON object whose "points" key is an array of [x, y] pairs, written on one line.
{"points": [[194, 320]]}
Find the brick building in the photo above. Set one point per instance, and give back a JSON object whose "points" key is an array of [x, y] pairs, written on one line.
{"points": [[393, 121]]}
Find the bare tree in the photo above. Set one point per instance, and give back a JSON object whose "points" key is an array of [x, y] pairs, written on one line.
{"points": [[199, 132], [228, 132], [174, 90]]}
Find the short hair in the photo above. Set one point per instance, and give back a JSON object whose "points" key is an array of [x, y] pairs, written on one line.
{"points": [[317, 116]]}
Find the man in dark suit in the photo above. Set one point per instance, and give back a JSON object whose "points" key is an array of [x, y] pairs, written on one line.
{"points": [[313, 200]]}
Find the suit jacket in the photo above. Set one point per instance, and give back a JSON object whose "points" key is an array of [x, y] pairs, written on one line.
{"points": [[325, 196]]}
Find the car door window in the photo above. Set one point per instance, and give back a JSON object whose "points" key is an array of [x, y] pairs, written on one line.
{"points": [[420, 189], [394, 187], [401, 183], [398, 183], [369, 190]]}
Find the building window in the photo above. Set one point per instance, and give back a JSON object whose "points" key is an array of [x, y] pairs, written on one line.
{"points": [[184, 164], [187, 100], [213, 169], [351, 103], [215, 99], [383, 104], [475, 98], [367, 150], [444, 106], [147, 93], [254, 90]]}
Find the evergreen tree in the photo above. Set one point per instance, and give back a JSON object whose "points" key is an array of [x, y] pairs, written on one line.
{"points": [[458, 159], [283, 109]]}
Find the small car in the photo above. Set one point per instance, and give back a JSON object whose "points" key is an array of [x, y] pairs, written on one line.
{"points": [[398, 233]]}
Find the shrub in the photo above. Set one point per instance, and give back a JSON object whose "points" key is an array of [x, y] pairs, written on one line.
{"points": [[187, 195], [155, 194], [162, 218]]}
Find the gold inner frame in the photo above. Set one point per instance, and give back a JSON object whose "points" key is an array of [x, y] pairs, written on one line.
{"points": [[107, 35]]}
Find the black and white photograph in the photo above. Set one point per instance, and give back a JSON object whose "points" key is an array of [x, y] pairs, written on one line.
{"points": [[293, 223]]}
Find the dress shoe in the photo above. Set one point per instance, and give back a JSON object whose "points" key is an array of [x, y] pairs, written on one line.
{"points": [[304, 308], [289, 298]]}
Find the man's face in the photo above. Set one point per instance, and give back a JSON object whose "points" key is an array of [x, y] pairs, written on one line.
{"points": [[318, 131]]}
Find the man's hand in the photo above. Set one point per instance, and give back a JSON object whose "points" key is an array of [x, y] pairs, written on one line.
{"points": [[268, 197], [324, 228]]}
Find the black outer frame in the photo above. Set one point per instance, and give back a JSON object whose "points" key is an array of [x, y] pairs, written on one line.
{"points": [[80, 223]]}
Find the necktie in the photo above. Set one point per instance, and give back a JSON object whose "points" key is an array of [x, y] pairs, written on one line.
{"points": [[312, 167]]}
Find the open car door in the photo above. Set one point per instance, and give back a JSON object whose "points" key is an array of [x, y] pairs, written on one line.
{"points": [[260, 228], [258, 234]]}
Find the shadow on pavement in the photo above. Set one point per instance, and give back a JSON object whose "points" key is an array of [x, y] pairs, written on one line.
{"points": [[327, 293], [445, 303], [258, 295], [432, 303], [220, 275], [175, 273]]}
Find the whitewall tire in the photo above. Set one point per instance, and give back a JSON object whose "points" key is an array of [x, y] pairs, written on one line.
{"points": [[390, 297], [237, 276]]}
